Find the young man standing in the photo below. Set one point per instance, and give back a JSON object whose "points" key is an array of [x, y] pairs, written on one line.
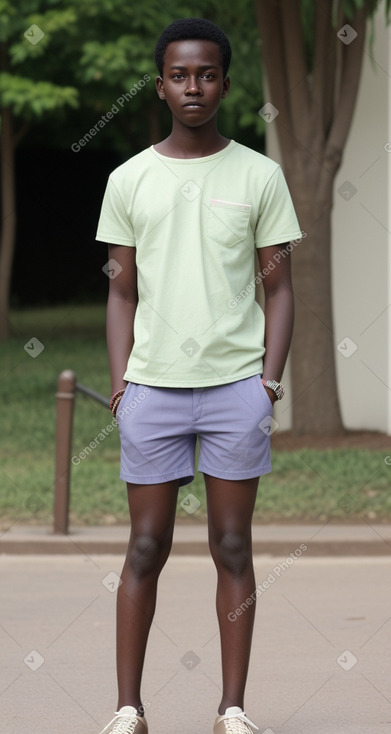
{"points": [[192, 351]]}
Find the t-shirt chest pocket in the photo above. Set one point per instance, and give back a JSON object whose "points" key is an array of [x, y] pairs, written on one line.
{"points": [[228, 221]]}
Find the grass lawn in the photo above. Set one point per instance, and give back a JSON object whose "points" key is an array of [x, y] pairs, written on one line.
{"points": [[305, 485]]}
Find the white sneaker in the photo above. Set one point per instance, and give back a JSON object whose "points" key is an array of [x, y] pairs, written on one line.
{"points": [[234, 721], [126, 721]]}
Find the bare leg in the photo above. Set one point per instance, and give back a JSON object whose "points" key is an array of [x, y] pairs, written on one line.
{"points": [[230, 509], [152, 515]]}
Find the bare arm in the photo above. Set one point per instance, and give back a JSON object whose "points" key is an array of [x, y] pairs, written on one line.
{"points": [[121, 309], [279, 312]]}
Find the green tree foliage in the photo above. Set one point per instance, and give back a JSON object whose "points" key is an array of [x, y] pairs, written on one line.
{"points": [[31, 80], [84, 55], [94, 51], [118, 51]]}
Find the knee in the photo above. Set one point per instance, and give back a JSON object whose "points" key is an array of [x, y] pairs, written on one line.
{"points": [[147, 554], [232, 551]]}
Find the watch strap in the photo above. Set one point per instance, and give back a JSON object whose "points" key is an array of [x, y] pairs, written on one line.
{"points": [[278, 389]]}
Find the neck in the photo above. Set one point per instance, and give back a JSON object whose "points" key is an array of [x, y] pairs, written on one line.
{"points": [[188, 142]]}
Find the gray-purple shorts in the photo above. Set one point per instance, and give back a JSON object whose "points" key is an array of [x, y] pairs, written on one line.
{"points": [[158, 428]]}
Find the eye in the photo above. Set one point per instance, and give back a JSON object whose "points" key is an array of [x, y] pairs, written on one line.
{"points": [[178, 75], [208, 76]]}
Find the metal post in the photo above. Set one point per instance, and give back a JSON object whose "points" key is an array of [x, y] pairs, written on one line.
{"points": [[65, 404]]}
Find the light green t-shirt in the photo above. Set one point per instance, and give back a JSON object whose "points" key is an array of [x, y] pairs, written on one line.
{"points": [[195, 224]]}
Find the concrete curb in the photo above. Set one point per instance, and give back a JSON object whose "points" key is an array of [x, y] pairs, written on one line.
{"points": [[192, 539]]}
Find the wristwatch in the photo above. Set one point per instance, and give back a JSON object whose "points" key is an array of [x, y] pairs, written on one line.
{"points": [[278, 389]]}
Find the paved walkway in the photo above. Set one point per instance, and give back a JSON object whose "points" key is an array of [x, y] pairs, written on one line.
{"points": [[320, 661], [191, 538]]}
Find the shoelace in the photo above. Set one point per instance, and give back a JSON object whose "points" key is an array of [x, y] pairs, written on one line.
{"points": [[122, 724], [239, 724]]}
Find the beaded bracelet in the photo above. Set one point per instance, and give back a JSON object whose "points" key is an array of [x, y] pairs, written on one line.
{"points": [[115, 405], [115, 401]]}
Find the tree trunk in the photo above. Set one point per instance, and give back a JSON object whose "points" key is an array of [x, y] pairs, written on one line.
{"points": [[314, 116], [8, 206], [315, 406]]}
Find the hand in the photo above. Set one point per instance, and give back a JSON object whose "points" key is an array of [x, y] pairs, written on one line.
{"points": [[272, 395]]}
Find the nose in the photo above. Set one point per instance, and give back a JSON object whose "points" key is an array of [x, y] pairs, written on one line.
{"points": [[192, 87]]}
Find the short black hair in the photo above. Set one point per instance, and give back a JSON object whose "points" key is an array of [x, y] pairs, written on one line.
{"points": [[193, 28]]}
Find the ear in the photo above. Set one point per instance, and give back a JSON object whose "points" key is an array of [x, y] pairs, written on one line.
{"points": [[226, 86], [160, 88]]}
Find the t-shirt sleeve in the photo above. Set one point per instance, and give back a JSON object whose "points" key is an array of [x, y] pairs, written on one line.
{"points": [[277, 221], [114, 224]]}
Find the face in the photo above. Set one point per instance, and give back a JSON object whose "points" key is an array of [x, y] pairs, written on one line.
{"points": [[192, 82]]}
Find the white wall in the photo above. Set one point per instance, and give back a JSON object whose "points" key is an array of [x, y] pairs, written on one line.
{"points": [[361, 248]]}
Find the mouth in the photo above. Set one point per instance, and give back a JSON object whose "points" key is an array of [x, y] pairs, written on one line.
{"points": [[193, 104]]}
